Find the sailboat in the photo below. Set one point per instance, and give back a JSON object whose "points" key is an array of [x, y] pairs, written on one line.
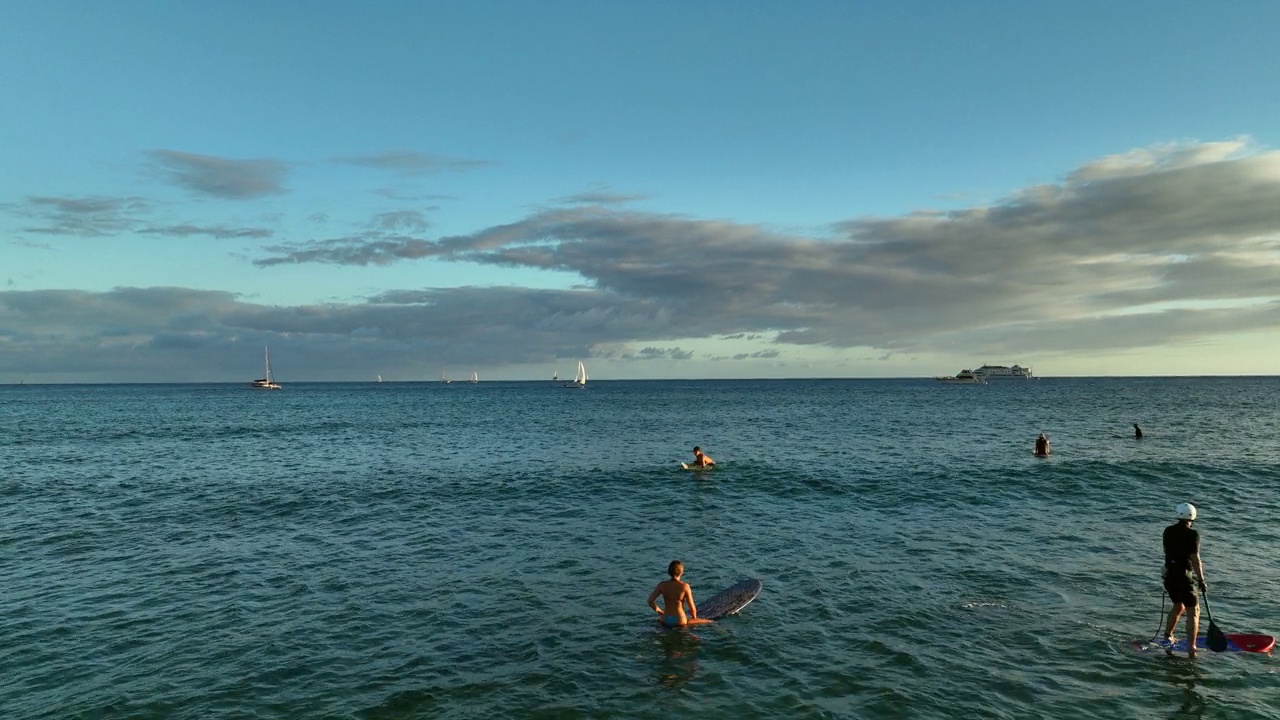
{"points": [[475, 377], [555, 376], [379, 378], [443, 378], [579, 377], [266, 383]]}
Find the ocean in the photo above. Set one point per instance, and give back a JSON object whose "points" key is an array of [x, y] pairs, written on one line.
{"points": [[423, 550]]}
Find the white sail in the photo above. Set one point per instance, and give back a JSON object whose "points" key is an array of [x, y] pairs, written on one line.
{"points": [[475, 377], [579, 377]]}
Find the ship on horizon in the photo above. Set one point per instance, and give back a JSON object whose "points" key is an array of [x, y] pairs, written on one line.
{"points": [[987, 373]]}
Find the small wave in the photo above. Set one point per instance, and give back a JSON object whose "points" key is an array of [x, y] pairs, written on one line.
{"points": [[976, 604]]}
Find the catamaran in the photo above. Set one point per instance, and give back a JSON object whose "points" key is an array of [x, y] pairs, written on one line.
{"points": [[266, 383]]}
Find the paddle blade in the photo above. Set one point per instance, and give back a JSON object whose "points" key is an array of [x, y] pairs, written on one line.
{"points": [[1217, 639]]}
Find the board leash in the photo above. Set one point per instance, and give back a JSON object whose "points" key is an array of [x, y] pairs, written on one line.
{"points": [[1160, 627]]}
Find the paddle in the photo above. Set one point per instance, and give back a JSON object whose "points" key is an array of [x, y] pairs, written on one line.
{"points": [[1217, 639]]}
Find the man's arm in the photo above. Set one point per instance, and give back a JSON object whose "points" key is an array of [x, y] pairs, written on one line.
{"points": [[1198, 567]]}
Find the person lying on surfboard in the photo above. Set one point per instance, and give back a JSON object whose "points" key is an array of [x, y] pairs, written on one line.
{"points": [[1181, 559], [675, 593], [701, 460], [1042, 445]]}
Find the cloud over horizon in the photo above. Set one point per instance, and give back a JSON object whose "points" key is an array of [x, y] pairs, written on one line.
{"points": [[1173, 244], [1174, 225]]}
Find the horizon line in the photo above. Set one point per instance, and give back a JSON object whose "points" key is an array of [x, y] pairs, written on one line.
{"points": [[1013, 381]]}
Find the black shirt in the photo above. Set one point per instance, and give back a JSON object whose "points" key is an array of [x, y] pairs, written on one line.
{"points": [[1180, 543]]}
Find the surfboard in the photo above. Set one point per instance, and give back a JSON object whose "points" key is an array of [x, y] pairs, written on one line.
{"points": [[699, 468], [1236, 642], [731, 600]]}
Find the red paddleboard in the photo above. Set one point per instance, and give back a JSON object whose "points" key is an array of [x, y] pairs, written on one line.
{"points": [[1250, 642]]}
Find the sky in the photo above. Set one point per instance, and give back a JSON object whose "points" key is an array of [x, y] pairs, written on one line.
{"points": [[661, 190]]}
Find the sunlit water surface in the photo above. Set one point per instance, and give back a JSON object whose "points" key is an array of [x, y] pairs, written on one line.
{"points": [[454, 551]]}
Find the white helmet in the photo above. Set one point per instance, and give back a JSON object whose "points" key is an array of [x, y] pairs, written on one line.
{"points": [[1186, 511]]}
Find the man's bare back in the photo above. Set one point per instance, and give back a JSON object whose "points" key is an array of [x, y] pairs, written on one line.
{"points": [[700, 459]]}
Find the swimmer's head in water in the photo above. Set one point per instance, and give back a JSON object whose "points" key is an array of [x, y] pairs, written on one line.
{"points": [[697, 450], [675, 569]]}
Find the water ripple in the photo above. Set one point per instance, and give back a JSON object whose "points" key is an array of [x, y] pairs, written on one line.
{"points": [[359, 552]]}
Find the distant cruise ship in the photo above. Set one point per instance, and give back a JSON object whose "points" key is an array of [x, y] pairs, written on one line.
{"points": [[1002, 372]]}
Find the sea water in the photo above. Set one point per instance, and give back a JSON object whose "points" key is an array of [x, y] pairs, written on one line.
{"points": [[423, 550]]}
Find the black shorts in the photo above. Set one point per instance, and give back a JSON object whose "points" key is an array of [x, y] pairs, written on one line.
{"points": [[1180, 590]]}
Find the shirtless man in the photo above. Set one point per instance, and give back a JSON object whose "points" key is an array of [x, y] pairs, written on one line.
{"points": [[1042, 445], [675, 593], [701, 460]]}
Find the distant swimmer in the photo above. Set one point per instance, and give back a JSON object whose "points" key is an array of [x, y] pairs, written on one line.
{"points": [[1042, 446], [701, 460], [675, 594], [1137, 431], [1181, 560]]}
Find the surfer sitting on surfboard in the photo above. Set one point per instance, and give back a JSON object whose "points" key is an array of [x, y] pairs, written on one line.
{"points": [[1042, 445], [1181, 558], [700, 460], [675, 593]]}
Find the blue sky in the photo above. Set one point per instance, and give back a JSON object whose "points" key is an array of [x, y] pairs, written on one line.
{"points": [[659, 189]]}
